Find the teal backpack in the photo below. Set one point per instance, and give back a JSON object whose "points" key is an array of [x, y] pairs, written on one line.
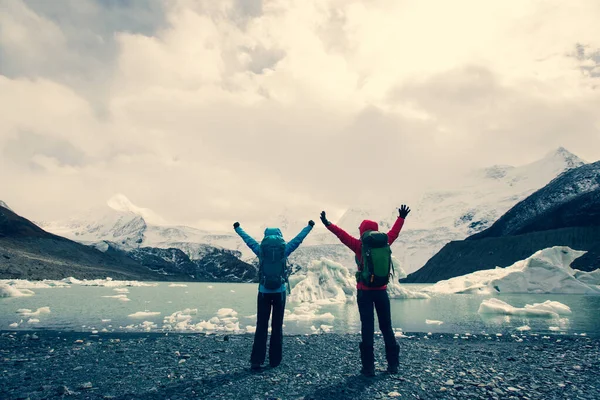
{"points": [[273, 265], [377, 265]]}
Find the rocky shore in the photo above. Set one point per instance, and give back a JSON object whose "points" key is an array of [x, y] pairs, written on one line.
{"points": [[50, 364]]}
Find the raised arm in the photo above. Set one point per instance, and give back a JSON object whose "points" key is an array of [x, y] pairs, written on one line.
{"points": [[395, 231], [250, 242], [295, 242], [351, 242]]}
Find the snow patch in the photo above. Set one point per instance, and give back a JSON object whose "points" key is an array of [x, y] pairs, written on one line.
{"points": [[548, 309], [546, 271]]}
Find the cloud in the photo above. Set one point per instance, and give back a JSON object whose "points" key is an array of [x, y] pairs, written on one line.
{"points": [[208, 112]]}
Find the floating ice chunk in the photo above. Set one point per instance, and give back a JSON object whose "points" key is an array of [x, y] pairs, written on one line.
{"points": [[121, 290], [524, 328], [250, 328], [190, 311], [210, 286], [33, 321], [143, 314], [148, 325], [497, 306], [14, 325], [116, 296], [433, 322], [253, 316], [28, 313], [106, 320], [226, 312], [178, 285], [232, 291], [11, 291], [553, 306], [546, 271], [307, 312], [554, 328]]}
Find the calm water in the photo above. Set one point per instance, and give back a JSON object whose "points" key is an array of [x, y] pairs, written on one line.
{"points": [[83, 308]]}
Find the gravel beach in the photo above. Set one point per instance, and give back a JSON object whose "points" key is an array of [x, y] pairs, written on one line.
{"points": [[50, 364]]}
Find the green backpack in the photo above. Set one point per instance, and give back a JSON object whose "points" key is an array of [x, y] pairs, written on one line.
{"points": [[377, 266]]}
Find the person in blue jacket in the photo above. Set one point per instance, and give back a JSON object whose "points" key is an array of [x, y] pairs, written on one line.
{"points": [[270, 298]]}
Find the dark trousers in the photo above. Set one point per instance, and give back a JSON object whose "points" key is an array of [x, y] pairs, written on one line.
{"points": [[267, 302], [378, 299]]}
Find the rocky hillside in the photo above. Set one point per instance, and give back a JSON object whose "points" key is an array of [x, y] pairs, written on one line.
{"points": [[29, 252], [566, 212]]}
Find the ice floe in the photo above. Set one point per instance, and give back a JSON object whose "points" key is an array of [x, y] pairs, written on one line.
{"points": [[548, 309], [178, 285], [11, 291], [121, 297], [546, 271], [433, 322], [28, 313], [307, 312], [144, 314]]}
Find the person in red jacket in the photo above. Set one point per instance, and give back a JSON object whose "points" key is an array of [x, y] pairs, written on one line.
{"points": [[372, 297]]}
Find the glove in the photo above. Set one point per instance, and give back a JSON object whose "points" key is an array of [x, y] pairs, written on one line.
{"points": [[324, 219], [236, 225], [311, 222], [403, 211]]}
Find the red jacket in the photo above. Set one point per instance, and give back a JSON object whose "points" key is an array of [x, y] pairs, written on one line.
{"points": [[355, 244]]}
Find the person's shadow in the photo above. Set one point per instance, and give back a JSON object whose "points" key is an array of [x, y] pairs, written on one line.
{"points": [[351, 388]]}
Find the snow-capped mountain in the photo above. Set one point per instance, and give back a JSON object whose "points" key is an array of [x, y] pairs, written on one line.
{"points": [[129, 227], [468, 205]]}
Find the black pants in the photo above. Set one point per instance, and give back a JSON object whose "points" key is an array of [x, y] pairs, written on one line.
{"points": [[378, 299], [266, 302]]}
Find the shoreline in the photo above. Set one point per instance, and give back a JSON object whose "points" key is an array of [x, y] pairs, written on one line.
{"points": [[126, 365]]}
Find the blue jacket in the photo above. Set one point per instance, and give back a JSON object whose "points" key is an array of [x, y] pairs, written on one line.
{"points": [[289, 248]]}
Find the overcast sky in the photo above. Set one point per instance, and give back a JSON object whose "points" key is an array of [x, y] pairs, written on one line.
{"points": [[209, 112]]}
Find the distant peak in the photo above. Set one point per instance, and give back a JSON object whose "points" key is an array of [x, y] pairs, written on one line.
{"points": [[120, 202], [3, 204], [564, 155]]}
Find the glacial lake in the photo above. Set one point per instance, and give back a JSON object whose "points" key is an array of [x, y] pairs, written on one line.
{"points": [[162, 307]]}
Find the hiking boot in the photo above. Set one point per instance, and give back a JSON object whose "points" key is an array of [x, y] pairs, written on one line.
{"points": [[255, 367], [392, 355], [368, 360]]}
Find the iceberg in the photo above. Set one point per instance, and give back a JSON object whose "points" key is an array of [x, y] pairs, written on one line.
{"points": [[328, 282], [548, 309], [546, 271]]}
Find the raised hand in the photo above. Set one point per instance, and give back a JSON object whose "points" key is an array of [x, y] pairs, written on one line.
{"points": [[324, 219], [236, 225], [311, 222], [403, 211]]}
